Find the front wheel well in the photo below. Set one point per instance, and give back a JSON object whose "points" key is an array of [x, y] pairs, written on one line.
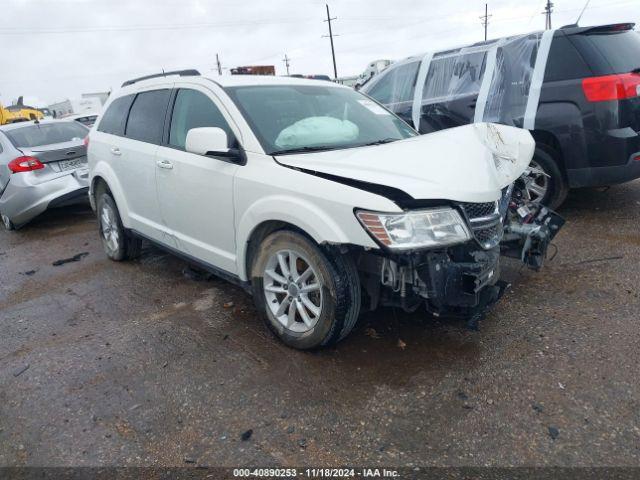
{"points": [[99, 183], [262, 231], [548, 142]]}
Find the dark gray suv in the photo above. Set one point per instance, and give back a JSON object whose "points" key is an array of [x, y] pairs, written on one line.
{"points": [[577, 89]]}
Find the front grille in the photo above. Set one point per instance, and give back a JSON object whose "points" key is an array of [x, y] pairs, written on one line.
{"points": [[485, 222], [479, 210], [489, 235]]}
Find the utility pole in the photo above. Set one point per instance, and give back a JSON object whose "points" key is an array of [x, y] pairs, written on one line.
{"points": [[547, 12], [218, 64], [286, 63], [333, 52], [485, 19]]}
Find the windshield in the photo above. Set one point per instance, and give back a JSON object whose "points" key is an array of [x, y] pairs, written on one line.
{"points": [[298, 118], [46, 134]]}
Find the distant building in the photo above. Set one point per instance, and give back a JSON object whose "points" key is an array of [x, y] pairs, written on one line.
{"points": [[102, 96], [372, 69], [254, 70], [74, 106], [348, 81]]}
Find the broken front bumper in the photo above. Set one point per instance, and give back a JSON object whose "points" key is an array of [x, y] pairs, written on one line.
{"points": [[458, 281], [462, 280]]}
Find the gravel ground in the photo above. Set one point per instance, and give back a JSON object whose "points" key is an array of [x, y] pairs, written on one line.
{"points": [[105, 363]]}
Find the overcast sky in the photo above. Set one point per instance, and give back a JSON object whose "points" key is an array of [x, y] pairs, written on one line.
{"points": [[57, 49]]}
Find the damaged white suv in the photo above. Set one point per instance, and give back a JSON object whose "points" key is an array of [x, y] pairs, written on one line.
{"points": [[313, 197]]}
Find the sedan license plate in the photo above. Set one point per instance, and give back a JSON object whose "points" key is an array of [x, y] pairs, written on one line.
{"points": [[72, 164]]}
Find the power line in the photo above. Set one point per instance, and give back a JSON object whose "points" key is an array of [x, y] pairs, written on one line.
{"points": [[122, 28], [333, 52], [286, 63], [485, 19]]}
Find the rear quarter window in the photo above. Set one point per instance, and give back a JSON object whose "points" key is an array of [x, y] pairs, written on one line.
{"points": [[565, 62], [609, 53], [115, 117], [397, 85]]}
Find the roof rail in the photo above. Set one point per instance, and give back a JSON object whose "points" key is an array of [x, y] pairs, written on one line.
{"points": [[182, 73]]}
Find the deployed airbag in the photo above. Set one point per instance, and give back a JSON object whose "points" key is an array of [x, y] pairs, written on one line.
{"points": [[317, 131]]}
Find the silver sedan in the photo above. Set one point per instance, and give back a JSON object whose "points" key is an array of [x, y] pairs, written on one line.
{"points": [[42, 165]]}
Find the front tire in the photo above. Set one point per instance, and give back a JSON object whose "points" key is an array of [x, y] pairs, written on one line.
{"points": [[309, 296], [118, 244]]}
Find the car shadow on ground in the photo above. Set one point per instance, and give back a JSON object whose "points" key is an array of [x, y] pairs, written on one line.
{"points": [[58, 221]]}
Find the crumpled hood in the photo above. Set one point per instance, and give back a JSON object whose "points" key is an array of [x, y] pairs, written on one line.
{"points": [[471, 163]]}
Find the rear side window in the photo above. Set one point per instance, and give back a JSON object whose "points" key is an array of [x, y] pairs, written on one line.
{"points": [[564, 62], [455, 75], [194, 109], [397, 85], [609, 53], [146, 117], [115, 118]]}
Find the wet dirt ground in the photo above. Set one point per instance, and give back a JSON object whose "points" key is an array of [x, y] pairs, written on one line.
{"points": [[105, 363]]}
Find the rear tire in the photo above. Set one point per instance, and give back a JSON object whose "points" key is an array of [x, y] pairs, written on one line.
{"points": [[313, 304], [6, 223], [118, 244], [545, 182]]}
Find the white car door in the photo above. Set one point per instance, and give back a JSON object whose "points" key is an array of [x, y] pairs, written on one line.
{"points": [[196, 191], [134, 160]]}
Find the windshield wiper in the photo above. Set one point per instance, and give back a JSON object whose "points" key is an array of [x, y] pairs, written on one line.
{"points": [[302, 150], [380, 142]]}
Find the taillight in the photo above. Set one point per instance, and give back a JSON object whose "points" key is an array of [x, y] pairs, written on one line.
{"points": [[86, 141], [611, 87], [25, 164]]}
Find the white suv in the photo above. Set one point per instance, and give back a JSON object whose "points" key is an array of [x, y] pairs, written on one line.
{"points": [[312, 196]]}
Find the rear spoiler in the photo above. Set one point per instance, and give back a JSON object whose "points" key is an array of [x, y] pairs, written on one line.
{"points": [[612, 28]]}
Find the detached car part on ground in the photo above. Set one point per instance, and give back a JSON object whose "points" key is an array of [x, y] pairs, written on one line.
{"points": [[42, 165], [577, 89], [314, 198]]}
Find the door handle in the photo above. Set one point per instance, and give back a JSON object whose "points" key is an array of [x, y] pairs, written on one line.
{"points": [[116, 151], [164, 164]]}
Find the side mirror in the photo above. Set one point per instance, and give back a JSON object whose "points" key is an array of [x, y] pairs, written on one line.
{"points": [[213, 141], [206, 140]]}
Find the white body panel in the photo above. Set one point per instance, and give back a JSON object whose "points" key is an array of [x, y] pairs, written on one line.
{"points": [[196, 200], [454, 164], [208, 207]]}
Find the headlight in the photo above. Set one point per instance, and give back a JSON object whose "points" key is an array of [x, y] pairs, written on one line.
{"points": [[417, 229]]}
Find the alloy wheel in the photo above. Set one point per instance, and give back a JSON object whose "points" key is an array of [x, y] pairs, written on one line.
{"points": [[6, 222], [292, 290], [536, 182], [109, 227]]}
